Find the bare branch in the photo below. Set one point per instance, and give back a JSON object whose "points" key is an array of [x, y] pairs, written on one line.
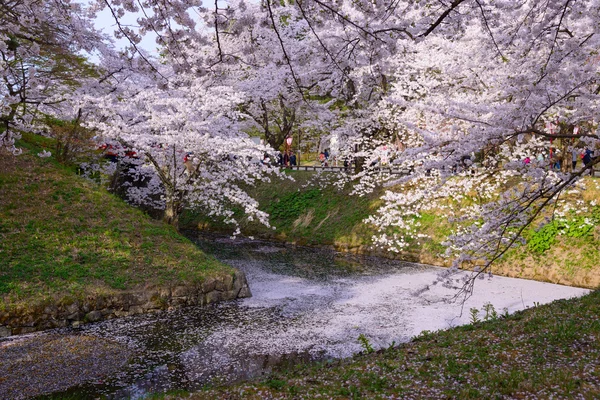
{"points": [[562, 16], [217, 30], [485, 20]]}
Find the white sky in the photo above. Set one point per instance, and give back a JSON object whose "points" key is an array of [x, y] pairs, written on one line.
{"points": [[106, 23]]}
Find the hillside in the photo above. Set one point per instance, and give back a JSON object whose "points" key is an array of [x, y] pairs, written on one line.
{"points": [[64, 239]]}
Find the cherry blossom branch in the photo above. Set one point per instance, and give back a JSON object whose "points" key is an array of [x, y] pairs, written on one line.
{"points": [[217, 30], [441, 18], [131, 41], [319, 39], [548, 196], [487, 25], [562, 16], [287, 58], [555, 135], [348, 20]]}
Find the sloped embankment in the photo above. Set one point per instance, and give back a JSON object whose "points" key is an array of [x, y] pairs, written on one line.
{"points": [[70, 252]]}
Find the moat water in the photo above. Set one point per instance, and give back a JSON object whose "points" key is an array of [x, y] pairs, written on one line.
{"points": [[307, 304]]}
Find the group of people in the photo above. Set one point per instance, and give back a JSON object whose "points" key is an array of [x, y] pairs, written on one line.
{"points": [[586, 155], [554, 160], [324, 158], [287, 159]]}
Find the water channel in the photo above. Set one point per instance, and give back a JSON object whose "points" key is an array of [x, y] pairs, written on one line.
{"points": [[307, 304]]}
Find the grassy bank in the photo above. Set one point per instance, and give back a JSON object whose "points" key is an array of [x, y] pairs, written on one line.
{"points": [[302, 213], [308, 214], [61, 235], [550, 351]]}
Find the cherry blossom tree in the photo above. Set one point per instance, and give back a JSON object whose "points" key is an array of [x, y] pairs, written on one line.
{"points": [[182, 140], [269, 54], [477, 76], [41, 61], [183, 131], [452, 82], [449, 79]]}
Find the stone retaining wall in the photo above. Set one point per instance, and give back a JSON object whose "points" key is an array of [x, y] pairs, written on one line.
{"points": [[101, 307]]}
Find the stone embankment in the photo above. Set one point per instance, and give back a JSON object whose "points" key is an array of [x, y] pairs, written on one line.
{"points": [[26, 319]]}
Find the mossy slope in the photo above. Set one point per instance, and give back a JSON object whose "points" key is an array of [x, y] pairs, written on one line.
{"points": [[61, 235]]}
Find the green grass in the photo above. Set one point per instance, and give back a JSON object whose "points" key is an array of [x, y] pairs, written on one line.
{"points": [[550, 351], [62, 235], [310, 215]]}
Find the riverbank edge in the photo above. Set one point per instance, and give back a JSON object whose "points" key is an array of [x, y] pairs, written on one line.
{"points": [[543, 273], [69, 312], [550, 350]]}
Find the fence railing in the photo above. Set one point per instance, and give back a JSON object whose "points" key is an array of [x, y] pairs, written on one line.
{"points": [[389, 170], [344, 169]]}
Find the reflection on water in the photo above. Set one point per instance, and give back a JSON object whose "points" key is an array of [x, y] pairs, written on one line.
{"points": [[304, 262]]}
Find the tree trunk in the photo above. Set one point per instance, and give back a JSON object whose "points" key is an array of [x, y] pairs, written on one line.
{"points": [[276, 137], [359, 162], [173, 210], [299, 148]]}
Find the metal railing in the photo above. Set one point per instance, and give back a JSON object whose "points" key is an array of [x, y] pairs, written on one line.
{"points": [[390, 170], [344, 169]]}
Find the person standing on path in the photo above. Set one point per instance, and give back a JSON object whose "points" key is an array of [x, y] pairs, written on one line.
{"points": [[587, 158]]}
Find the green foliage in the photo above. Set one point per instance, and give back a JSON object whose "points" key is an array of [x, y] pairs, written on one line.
{"points": [[365, 343], [292, 205], [374, 382], [490, 312], [579, 226], [543, 239], [73, 142], [424, 335], [351, 392], [474, 315], [276, 384]]}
